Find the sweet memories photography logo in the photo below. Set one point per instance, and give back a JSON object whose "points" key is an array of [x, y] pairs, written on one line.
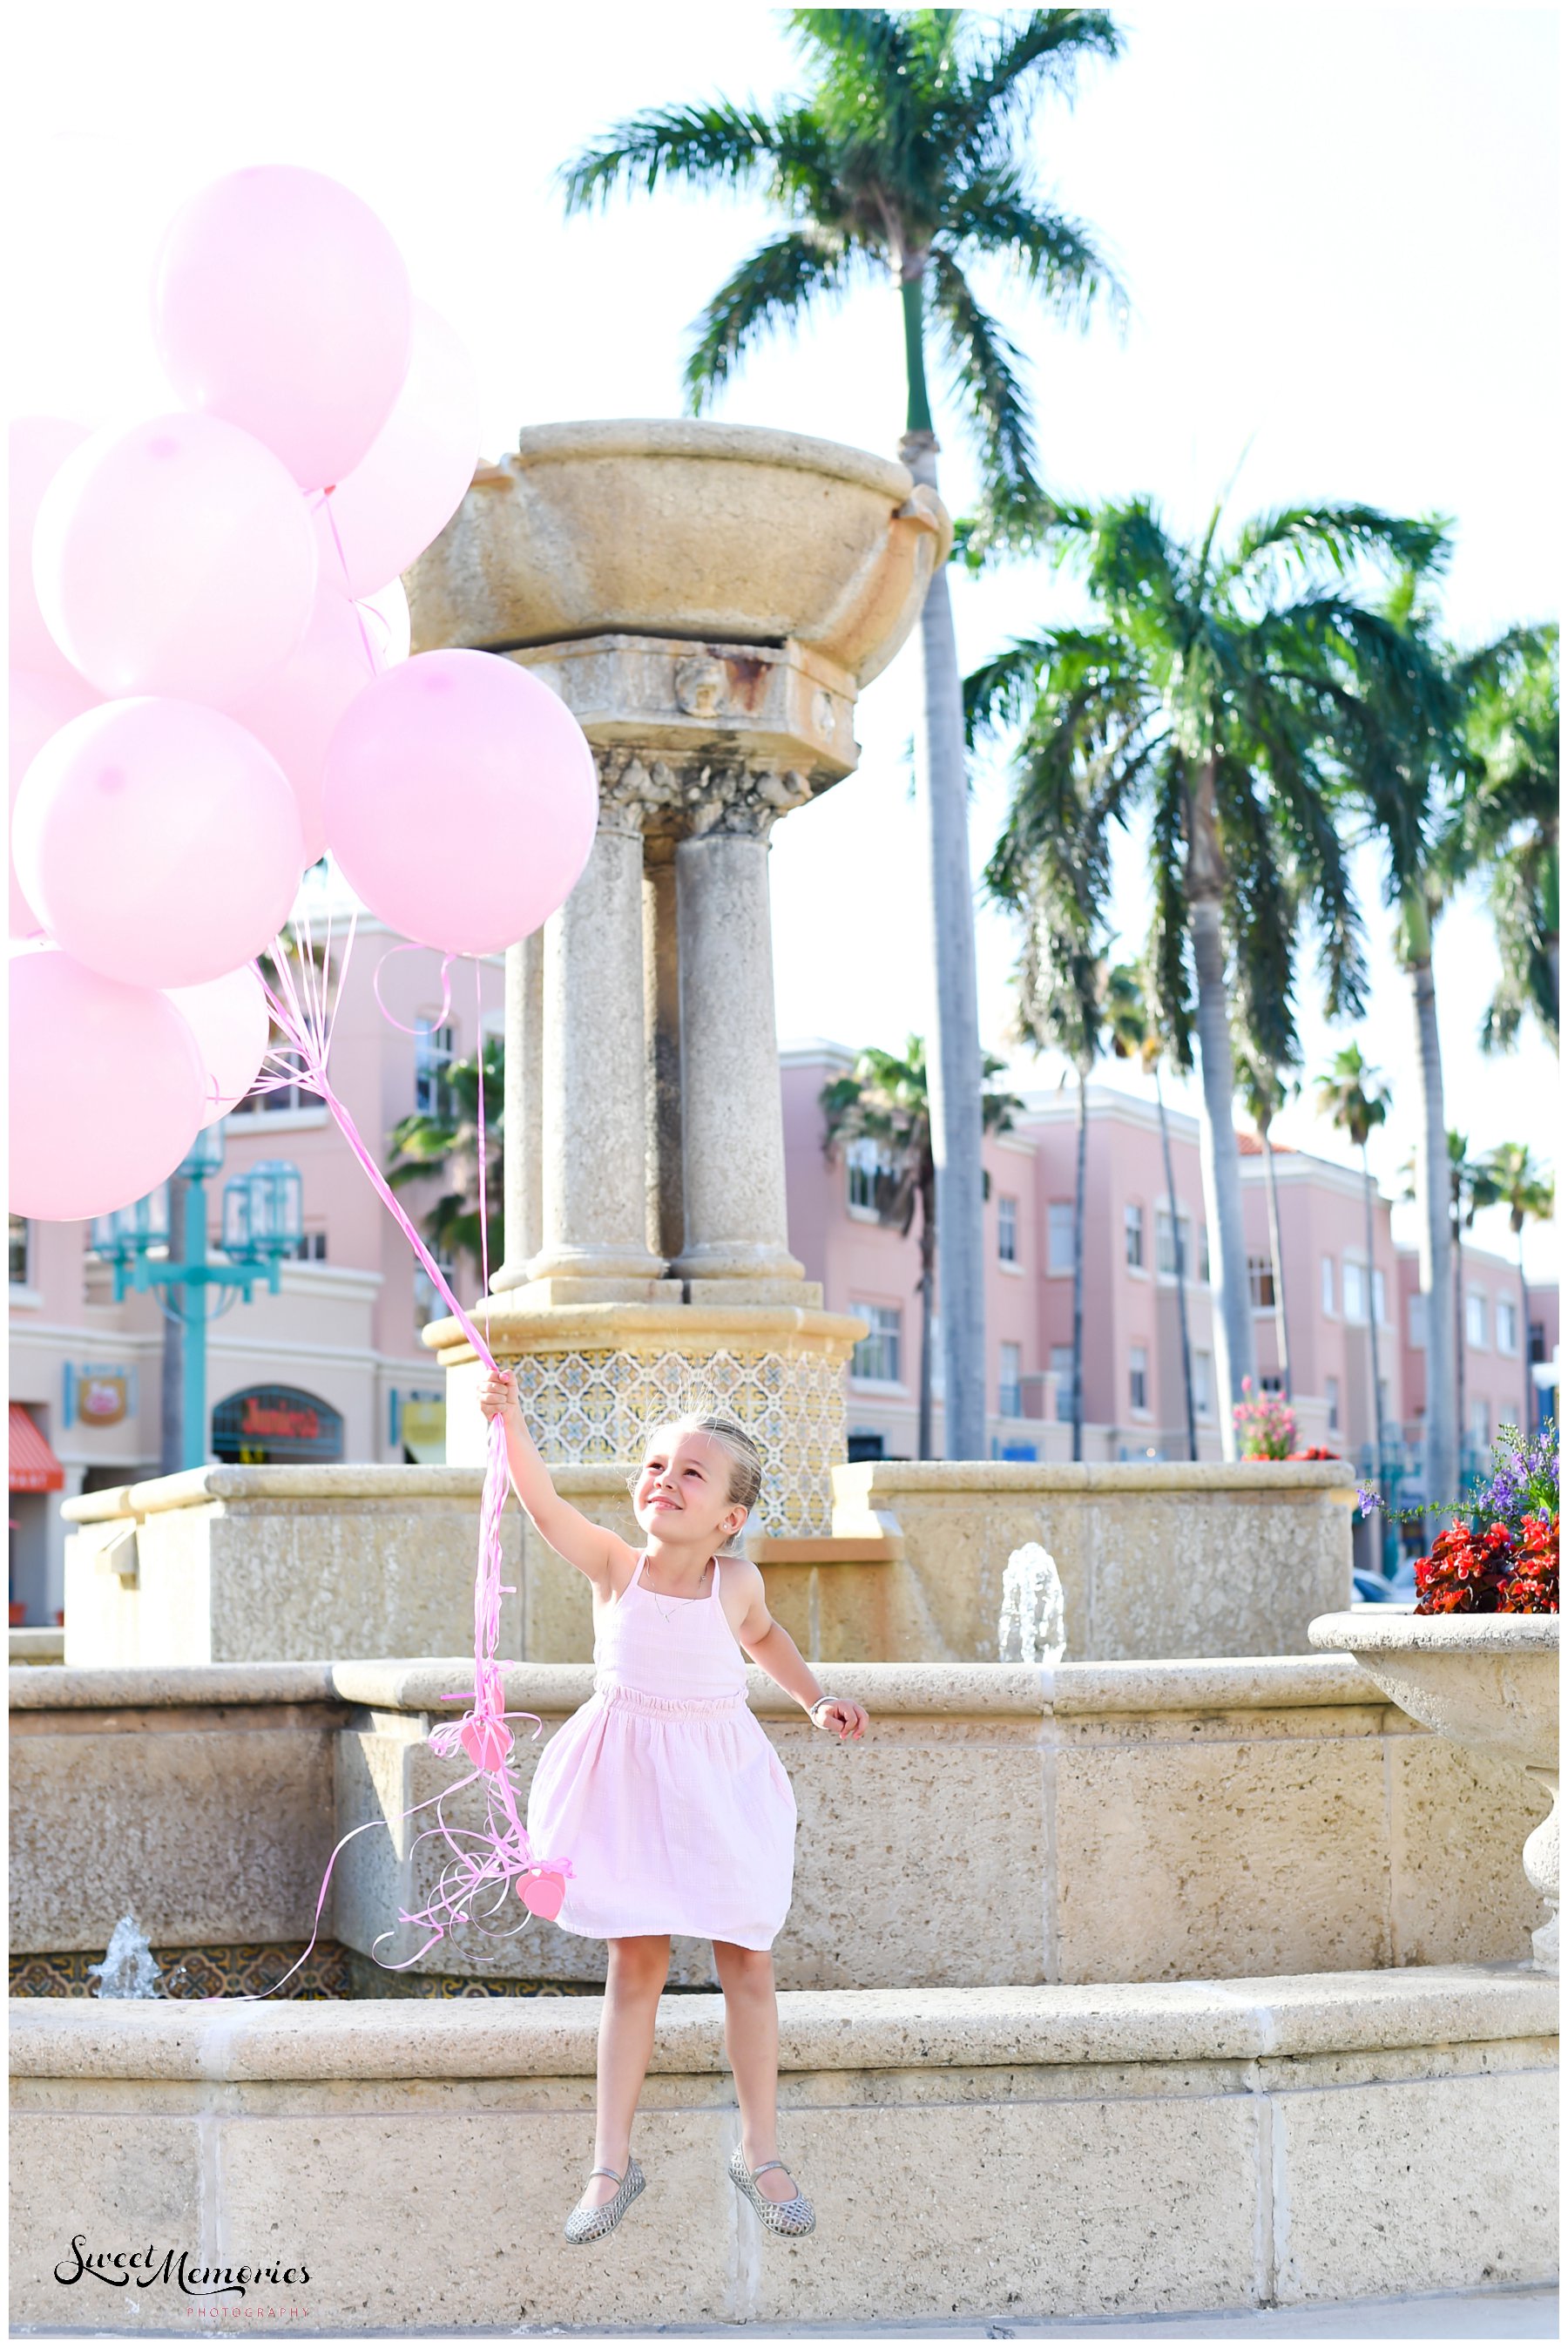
{"points": [[178, 2269]]}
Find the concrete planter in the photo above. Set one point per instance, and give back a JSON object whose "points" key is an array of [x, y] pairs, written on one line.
{"points": [[1489, 1681], [670, 529]]}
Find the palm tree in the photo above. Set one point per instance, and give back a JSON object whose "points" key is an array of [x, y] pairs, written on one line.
{"points": [[444, 1138], [885, 1101], [1134, 1036], [1505, 828], [1351, 1094], [1266, 1094], [1414, 741], [1469, 1190], [1201, 694], [1514, 1180], [905, 162]]}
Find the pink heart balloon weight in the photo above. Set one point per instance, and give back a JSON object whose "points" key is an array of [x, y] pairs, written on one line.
{"points": [[485, 1742], [542, 1893]]}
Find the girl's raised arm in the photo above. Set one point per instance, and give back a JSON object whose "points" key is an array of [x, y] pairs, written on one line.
{"points": [[571, 1535]]}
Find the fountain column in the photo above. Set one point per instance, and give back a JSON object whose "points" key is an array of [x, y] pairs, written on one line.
{"points": [[708, 601], [735, 1219]]}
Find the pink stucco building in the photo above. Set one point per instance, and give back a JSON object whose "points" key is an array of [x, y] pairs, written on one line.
{"points": [[1134, 1403]]}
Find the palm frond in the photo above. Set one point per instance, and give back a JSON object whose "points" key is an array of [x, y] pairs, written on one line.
{"points": [[1340, 535], [765, 294], [993, 214], [983, 361], [1047, 48], [715, 145]]}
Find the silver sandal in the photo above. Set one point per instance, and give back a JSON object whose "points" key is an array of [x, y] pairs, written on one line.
{"points": [[795, 2217], [588, 2221]]}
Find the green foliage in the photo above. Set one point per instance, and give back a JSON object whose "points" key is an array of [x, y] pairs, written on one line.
{"points": [[905, 156], [1352, 1095], [1206, 691], [446, 1141]]}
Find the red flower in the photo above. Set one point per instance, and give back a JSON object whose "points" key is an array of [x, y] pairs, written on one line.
{"points": [[1491, 1573]]}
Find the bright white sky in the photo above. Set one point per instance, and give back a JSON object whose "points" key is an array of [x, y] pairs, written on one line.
{"points": [[1339, 230]]}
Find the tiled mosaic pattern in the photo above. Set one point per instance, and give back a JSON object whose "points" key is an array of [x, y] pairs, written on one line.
{"points": [[585, 1406], [250, 1971]]}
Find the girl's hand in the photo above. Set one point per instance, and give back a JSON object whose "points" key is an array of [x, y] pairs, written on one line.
{"points": [[499, 1394], [849, 1719]]}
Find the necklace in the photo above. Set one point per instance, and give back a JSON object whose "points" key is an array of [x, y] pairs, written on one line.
{"points": [[655, 1595]]}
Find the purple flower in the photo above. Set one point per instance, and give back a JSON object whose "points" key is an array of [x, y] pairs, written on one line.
{"points": [[1369, 1498]]}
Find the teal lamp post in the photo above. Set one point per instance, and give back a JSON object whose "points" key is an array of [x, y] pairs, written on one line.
{"points": [[263, 1222]]}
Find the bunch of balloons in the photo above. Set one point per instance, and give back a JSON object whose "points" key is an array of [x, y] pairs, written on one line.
{"points": [[210, 686]]}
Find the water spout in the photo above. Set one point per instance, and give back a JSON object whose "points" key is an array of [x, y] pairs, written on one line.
{"points": [[1032, 1625], [129, 1968]]}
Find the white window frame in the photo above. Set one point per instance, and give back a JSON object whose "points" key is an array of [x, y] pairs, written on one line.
{"points": [[1166, 1225], [1259, 1269], [1059, 1219], [1202, 1383], [1061, 1371], [887, 1325], [1416, 1321], [1134, 1234], [1509, 1307], [1328, 1288], [1006, 1227], [1353, 1275], [1331, 1396], [1138, 1372], [435, 1049], [25, 1278], [1475, 1320], [1009, 1394]]}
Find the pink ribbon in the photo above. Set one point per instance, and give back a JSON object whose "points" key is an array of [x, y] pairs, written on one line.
{"points": [[487, 1863]]}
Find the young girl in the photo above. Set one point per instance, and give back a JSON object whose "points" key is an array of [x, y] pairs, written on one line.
{"points": [[664, 1790]]}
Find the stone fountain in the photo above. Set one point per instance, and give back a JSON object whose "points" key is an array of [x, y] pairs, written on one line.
{"points": [[708, 600]]}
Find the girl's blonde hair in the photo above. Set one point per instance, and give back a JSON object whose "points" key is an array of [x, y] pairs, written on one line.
{"points": [[740, 1448]]}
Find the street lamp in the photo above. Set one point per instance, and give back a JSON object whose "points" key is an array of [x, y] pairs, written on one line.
{"points": [[263, 1222]]}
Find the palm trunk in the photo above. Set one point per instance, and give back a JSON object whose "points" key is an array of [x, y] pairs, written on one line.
{"points": [[1276, 1256], [1525, 1427], [1078, 1203], [1179, 1252], [171, 1375], [1436, 1243], [1377, 1467], [1234, 1358], [1459, 1437], [953, 1064], [927, 1284]]}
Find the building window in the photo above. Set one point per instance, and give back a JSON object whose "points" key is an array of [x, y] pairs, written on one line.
{"points": [[1481, 1423], [1059, 1230], [1380, 1299], [21, 1248], [1138, 1377], [1537, 1341], [1355, 1290], [877, 1353], [1331, 1396], [938, 1366], [310, 1247], [866, 1174], [1133, 1228], [1475, 1318], [1009, 1395], [1272, 1382], [1166, 1233], [429, 1304], [1202, 1386], [1418, 1319], [1061, 1371], [1260, 1282], [1507, 1325], [1203, 1254], [1007, 1229], [1328, 1284], [433, 1054]]}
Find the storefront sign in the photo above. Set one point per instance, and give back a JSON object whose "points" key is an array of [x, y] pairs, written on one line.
{"points": [[98, 1394], [276, 1426]]}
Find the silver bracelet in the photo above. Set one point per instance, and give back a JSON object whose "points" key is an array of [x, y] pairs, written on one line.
{"points": [[813, 1709]]}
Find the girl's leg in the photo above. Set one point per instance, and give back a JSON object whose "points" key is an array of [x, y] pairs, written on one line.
{"points": [[638, 1970], [751, 2043]]}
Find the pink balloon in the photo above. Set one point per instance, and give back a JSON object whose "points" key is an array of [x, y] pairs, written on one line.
{"points": [[175, 558], [105, 1089], [40, 703], [407, 488], [460, 800], [280, 302], [294, 713], [39, 446], [391, 623], [228, 1019], [158, 841]]}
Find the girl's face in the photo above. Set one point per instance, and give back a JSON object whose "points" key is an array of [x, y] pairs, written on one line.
{"points": [[681, 1496]]}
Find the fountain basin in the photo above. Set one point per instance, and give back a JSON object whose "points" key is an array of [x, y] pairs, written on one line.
{"points": [[1488, 1681], [674, 528]]}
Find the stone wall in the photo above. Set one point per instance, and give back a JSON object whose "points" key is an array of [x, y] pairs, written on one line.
{"points": [[272, 1564], [998, 1825], [992, 2154]]}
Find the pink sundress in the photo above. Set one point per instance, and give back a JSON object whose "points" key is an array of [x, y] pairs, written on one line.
{"points": [[663, 1789]]}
